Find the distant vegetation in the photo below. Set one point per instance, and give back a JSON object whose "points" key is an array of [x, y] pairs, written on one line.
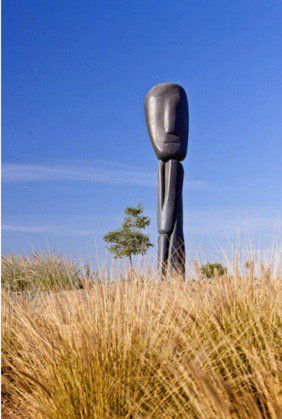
{"points": [[75, 346], [210, 270], [129, 240]]}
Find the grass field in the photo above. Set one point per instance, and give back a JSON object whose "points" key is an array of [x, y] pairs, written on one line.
{"points": [[75, 346]]}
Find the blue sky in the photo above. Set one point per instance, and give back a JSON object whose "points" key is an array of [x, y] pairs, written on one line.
{"points": [[75, 150]]}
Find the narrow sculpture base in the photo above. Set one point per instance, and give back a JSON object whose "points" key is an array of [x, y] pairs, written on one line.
{"points": [[171, 252]]}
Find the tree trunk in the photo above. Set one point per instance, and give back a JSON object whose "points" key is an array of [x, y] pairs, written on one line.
{"points": [[130, 260]]}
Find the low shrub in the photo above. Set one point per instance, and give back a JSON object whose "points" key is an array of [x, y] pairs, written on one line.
{"points": [[210, 270]]}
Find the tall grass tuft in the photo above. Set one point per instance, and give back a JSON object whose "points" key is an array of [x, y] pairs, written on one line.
{"points": [[39, 272], [144, 348]]}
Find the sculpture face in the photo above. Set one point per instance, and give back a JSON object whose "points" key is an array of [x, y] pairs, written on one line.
{"points": [[166, 109]]}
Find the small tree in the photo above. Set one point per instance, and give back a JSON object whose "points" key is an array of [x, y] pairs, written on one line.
{"points": [[129, 240], [210, 269]]}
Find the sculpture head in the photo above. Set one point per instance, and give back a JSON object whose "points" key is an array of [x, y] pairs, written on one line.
{"points": [[166, 110]]}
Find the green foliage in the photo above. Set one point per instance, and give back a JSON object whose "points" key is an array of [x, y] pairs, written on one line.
{"points": [[129, 239], [210, 270]]}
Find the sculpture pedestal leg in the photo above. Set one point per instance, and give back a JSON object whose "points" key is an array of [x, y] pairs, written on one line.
{"points": [[163, 250], [177, 252]]}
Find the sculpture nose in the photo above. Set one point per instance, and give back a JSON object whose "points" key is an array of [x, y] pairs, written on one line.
{"points": [[169, 121]]}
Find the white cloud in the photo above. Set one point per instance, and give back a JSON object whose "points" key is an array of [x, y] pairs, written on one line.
{"points": [[96, 172]]}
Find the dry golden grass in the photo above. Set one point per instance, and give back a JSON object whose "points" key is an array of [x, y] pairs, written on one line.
{"points": [[144, 348]]}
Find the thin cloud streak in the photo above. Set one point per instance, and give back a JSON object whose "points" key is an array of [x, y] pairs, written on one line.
{"points": [[49, 229], [220, 222], [211, 221], [97, 172]]}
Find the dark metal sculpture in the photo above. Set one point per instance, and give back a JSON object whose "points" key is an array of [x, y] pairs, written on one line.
{"points": [[166, 109]]}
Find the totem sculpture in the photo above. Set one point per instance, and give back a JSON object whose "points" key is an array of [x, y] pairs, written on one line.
{"points": [[166, 110]]}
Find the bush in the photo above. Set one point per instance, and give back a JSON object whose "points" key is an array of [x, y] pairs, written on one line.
{"points": [[210, 270]]}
